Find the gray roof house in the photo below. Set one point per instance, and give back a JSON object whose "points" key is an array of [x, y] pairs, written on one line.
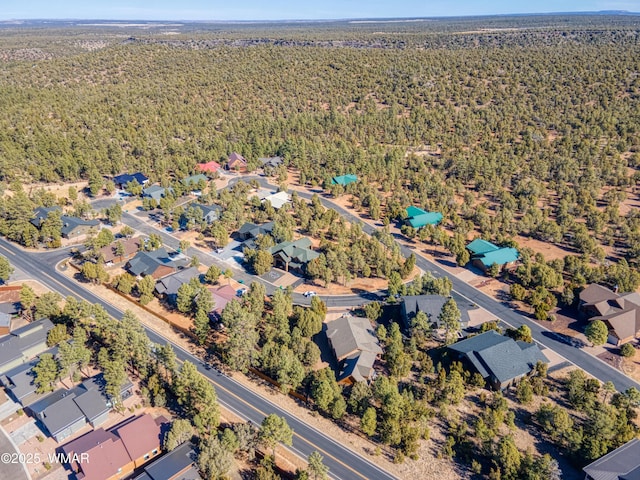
{"points": [[64, 412], [156, 263], [178, 464], [40, 214], [210, 213], [623, 463], [23, 344], [74, 226], [355, 347], [169, 285], [431, 305], [251, 230], [499, 359], [271, 162], [18, 382], [156, 192]]}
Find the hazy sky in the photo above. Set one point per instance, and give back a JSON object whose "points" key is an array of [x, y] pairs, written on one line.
{"points": [[289, 9]]}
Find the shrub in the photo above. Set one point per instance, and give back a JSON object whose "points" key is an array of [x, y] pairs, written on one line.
{"points": [[627, 350]]}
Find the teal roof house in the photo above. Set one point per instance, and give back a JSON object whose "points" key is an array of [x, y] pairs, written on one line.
{"points": [[418, 218], [485, 254], [344, 180]]}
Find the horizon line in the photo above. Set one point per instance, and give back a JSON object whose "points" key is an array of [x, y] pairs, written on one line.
{"points": [[343, 19]]}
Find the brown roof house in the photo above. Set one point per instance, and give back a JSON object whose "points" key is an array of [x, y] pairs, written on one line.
{"points": [[620, 312], [355, 346], [623, 463], [237, 163], [130, 246], [115, 453], [221, 295]]}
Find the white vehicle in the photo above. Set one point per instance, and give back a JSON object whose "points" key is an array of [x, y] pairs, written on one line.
{"points": [[309, 294]]}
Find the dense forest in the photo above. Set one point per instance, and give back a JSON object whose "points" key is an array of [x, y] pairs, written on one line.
{"points": [[490, 120]]}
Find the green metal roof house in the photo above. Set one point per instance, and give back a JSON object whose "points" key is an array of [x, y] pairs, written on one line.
{"points": [[194, 179], [414, 211], [429, 218], [480, 247], [418, 218], [484, 254], [344, 180]]}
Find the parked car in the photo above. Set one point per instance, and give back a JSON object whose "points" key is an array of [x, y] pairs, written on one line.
{"points": [[309, 294]]}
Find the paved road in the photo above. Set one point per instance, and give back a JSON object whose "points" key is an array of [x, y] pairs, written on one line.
{"points": [[543, 336], [11, 469], [342, 462], [143, 225], [587, 362]]}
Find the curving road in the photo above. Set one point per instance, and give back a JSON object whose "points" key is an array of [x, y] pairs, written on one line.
{"points": [[461, 290], [343, 463]]}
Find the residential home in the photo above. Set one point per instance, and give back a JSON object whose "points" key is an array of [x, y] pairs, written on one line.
{"points": [[355, 346], [221, 296], [156, 192], [178, 464], [5, 323], [142, 437], [210, 213], [431, 305], [24, 343], [10, 299], [65, 411], [168, 286], [115, 453], [271, 162], [619, 311], [485, 254], [73, 227], [278, 200], [98, 455], [157, 263], [40, 214], [236, 163], [293, 255], [418, 218], [130, 246], [121, 181], [18, 382], [623, 463], [500, 360], [209, 167], [251, 230], [194, 180], [59, 414], [344, 180]]}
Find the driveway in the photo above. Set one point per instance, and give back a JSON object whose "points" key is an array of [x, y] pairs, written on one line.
{"points": [[25, 432], [10, 471]]}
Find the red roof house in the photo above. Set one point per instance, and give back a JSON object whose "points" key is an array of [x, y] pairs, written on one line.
{"points": [[211, 167]]}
